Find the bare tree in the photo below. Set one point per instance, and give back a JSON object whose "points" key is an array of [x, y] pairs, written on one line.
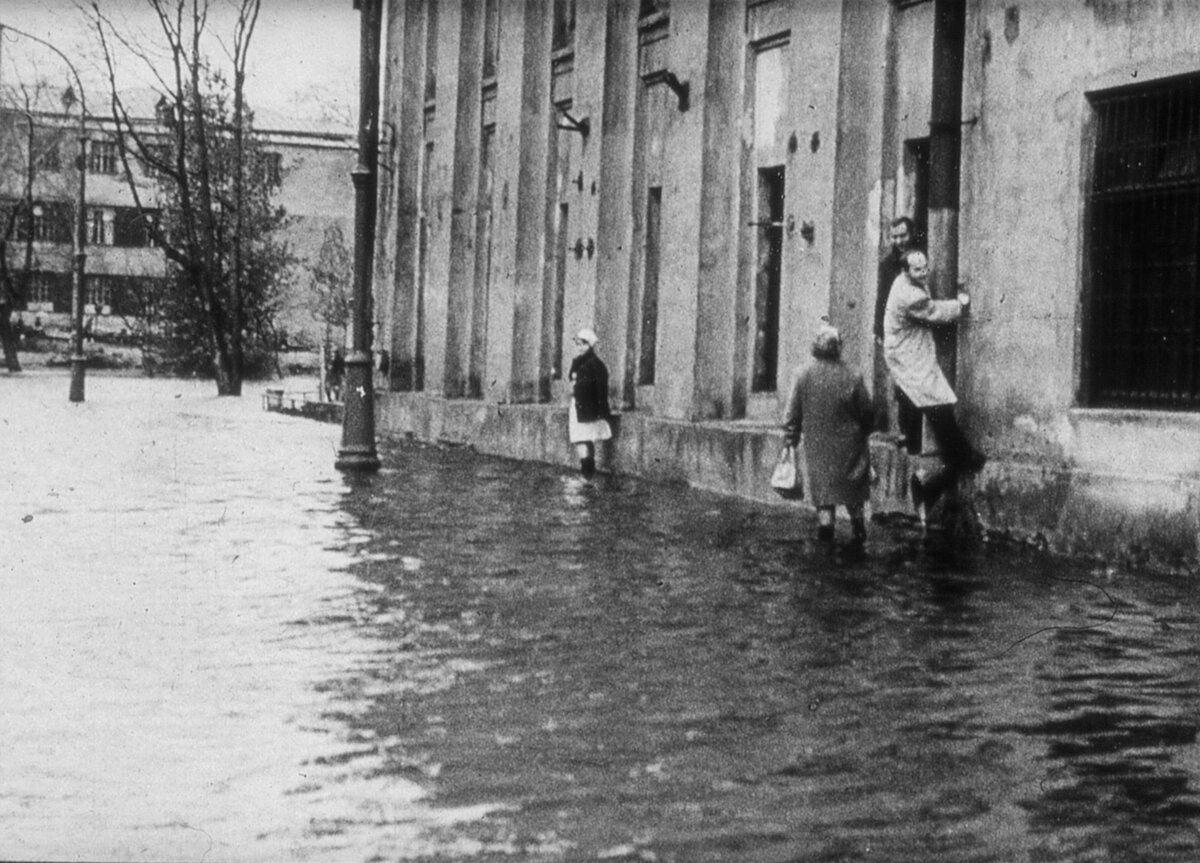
{"points": [[330, 284], [216, 210]]}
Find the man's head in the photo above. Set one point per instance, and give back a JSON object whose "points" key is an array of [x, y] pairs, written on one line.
{"points": [[902, 233], [916, 265], [827, 345]]}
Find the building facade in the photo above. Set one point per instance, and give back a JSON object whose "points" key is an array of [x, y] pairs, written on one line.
{"points": [[39, 149], [314, 167], [703, 180], [123, 268]]}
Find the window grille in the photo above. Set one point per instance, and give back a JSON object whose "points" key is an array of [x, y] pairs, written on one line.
{"points": [[1143, 327]]}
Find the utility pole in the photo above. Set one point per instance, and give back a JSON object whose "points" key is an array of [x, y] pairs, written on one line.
{"points": [[358, 400], [78, 275]]}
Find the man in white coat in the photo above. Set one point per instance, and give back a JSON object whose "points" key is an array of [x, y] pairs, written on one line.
{"points": [[911, 357]]}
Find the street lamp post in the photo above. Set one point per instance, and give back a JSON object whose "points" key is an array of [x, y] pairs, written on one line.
{"points": [[358, 409], [79, 253], [79, 242]]}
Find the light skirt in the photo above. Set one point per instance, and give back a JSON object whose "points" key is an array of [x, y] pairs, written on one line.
{"points": [[578, 432]]}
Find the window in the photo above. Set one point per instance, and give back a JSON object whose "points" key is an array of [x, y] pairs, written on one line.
{"points": [[49, 292], [156, 160], [424, 229], [767, 187], [770, 91], [99, 293], [768, 277], [41, 291], [431, 27], [483, 254], [491, 38], [45, 150], [43, 223], [100, 226], [558, 224], [103, 157], [564, 25], [122, 294], [1142, 345], [130, 228], [916, 186], [653, 7], [650, 263], [51, 223]]}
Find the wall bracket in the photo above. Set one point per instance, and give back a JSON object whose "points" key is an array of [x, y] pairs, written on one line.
{"points": [[681, 89], [583, 125]]}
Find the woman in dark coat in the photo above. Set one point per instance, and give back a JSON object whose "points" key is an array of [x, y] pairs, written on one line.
{"points": [[588, 413], [830, 405]]}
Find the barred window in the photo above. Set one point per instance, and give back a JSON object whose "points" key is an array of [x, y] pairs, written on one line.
{"points": [[1142, 345]]}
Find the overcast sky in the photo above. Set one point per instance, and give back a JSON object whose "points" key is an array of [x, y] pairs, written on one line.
{"points": [[303, 64]]}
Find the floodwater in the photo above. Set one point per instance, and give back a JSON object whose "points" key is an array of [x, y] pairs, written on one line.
{"points": [[215, 647]]}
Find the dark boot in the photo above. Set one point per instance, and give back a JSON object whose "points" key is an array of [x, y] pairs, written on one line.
{"points": [[588, 467], [856, 548], [825, 533]]}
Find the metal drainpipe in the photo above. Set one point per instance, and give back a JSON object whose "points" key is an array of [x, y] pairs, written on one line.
{"points": [[945, 149], [358, 419]]}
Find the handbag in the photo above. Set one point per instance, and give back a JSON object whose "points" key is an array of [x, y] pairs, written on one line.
{"points": [[786, 478]]}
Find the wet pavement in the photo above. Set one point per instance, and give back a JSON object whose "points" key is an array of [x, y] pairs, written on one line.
{"points": [[215, 647]]}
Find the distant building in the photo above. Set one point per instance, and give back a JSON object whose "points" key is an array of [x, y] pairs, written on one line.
{"points": [[123, 267], [314, 166]]}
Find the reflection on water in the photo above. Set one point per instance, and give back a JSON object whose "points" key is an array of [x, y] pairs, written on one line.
{"points": [[214, 644]]}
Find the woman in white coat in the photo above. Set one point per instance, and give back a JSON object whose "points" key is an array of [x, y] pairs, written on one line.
{"points": [[911, 356]]}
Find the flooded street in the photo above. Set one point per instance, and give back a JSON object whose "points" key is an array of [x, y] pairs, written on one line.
{"points": [[213, 646]]}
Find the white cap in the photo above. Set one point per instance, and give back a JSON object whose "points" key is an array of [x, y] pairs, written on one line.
{"points": [[588, 336]]}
